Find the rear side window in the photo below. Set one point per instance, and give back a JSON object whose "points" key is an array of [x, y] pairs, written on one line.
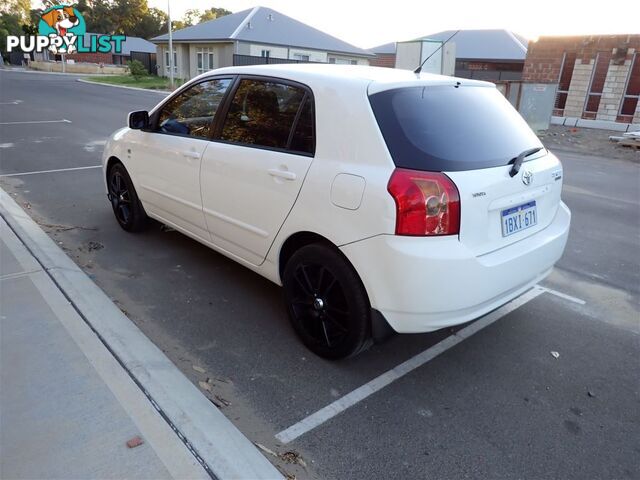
{"points": [[303, 137], [447, 128], [265, 114]]}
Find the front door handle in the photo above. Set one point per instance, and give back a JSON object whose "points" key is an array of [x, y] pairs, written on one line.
{"points": [[191, 154], [286, 174]]}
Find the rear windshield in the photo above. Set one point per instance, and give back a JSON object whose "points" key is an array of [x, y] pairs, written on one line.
{"points": [[448, 128]]}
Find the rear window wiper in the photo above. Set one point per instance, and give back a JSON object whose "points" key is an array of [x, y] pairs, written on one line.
{"points": [[517, 161]]}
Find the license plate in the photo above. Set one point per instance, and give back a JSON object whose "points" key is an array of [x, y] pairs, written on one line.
{"points": [[516, 219]]}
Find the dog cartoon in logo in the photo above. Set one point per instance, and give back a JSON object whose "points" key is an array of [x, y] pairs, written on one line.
{"points": [[61, 20]]}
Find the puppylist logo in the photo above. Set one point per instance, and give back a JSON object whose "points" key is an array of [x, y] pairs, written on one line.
{"points": [[62, 29]]}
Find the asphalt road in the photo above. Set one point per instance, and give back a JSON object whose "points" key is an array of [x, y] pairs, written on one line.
{"points": [[496, 405]]}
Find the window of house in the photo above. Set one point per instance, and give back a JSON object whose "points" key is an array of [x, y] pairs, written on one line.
{"points": [[566, 72], [301, 57], [343, 61], [263, 113], [332, 60], [632, 91], [265, 53], [166, 61], [204, 58], [191, 112], [598, 77]]}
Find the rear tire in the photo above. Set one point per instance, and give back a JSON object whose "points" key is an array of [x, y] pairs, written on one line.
{"points": [[124, 200], [327, 303]]}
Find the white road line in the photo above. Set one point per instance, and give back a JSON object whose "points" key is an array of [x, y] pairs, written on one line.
{"points": [[15, 102], [64, 120], [49, 171], [564, 296], [321, 416]]}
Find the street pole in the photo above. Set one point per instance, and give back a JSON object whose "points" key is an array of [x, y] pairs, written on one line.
{"points": [[171, 66]]}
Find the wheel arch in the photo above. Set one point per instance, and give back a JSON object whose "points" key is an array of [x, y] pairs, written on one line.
{"points": [[380, 328], [113, 160], [295, 242]]}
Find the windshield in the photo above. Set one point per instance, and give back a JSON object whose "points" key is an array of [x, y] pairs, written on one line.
{"points": [[449, 128]]}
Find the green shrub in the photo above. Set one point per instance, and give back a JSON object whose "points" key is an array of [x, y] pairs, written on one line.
{"points": [[136, 69]]}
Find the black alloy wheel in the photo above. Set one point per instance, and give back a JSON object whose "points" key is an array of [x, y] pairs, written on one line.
{"points": [[327, 303], [124, 200]]}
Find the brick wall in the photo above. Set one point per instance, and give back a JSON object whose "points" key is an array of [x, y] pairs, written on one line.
{"points": [[544, 64], [106, 58], [544, 57], [383, 60]]}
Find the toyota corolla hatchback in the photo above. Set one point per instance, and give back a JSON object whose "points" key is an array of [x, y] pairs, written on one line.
{"points": [[375, 197]]}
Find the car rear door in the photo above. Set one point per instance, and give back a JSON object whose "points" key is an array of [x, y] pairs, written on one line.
{"points": [[253, 170]]}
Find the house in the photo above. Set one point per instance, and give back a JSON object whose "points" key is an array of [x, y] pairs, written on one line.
{"points": [[385, 55], [483, 54], [132, 47], [598, 78], [255, 36]]}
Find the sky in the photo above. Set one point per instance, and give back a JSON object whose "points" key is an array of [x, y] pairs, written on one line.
{"points": [[370, 23]]}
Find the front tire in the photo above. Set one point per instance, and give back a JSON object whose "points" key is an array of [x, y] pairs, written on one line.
{"points": [[327, 303], [124, 200]]}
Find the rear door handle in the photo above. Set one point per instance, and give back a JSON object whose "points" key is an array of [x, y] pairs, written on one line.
{"points": [[286, 174], [191, 154]]}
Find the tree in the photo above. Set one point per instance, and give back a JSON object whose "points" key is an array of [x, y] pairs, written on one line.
{"points": [[97, 15], [152, 24], [127, 14], [137, 69], [10, 24], [191, 17], [213, 13], [18, 8]]}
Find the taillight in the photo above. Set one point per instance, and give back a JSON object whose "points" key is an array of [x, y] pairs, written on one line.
{"points": [[427, 203]]}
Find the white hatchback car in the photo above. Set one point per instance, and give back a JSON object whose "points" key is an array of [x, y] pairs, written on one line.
{"points": [[376, 197]]}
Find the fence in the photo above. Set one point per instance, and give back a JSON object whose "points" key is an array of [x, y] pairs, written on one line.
{"points": [[147, 59], [534, 101], [242, 60]]}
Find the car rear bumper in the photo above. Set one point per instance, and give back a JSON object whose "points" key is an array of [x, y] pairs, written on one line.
{"points": [[424, 284]]}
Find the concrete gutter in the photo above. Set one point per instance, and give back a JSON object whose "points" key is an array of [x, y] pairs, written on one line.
{"points": [[161, 92], [217, 444]]}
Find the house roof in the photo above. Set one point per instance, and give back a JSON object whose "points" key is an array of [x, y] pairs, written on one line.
{"points": [[263, 25], [485, 44], [385, 49], [131, 44]]}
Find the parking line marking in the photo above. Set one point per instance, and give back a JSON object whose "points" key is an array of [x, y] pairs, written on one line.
{"points": [[563, 295], [350, 399], [64, 120], [49, 171], [14, 102]]}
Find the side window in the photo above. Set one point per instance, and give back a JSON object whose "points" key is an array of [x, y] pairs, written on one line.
{"points": [[303, 138], [191, 112], [262, 113]]}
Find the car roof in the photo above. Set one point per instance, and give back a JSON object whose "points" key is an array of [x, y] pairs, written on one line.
{"points": [[376, 79]]}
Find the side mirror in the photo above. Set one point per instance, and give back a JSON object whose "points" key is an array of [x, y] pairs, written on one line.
{"points": [[139, 120]]}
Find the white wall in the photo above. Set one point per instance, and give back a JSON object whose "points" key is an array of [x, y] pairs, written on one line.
{"points": [[314, 55], [347, 60], [409, 55], [255, 50]]}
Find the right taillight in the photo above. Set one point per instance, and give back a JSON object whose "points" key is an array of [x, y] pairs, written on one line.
{"points": [[427, 203]]}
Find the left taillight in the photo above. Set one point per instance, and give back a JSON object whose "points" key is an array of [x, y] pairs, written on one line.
{"points": [[427, 203]]}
